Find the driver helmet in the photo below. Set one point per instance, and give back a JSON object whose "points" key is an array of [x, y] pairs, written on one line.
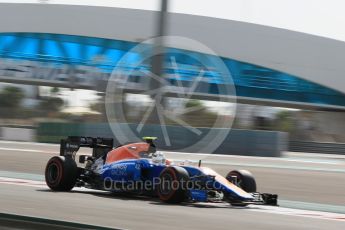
{"points": [[158, 158]]}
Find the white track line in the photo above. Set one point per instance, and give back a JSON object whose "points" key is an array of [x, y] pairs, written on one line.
{"points": [[29, 143], [25, 150], [205, 156], [278, 159], [32, 183], [22, 182], [301, 213]]}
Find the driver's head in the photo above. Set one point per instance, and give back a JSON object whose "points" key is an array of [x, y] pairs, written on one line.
{"points": [[158, 158]]}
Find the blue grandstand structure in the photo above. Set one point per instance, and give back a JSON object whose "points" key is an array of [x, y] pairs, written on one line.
{"points": [[103, 55]]}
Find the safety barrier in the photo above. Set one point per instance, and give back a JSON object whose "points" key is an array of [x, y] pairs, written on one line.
{"points": [[237, 141], [17, 134], [317, 147]]}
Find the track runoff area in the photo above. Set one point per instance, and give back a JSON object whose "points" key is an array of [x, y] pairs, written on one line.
{"points": [[310, 189]]}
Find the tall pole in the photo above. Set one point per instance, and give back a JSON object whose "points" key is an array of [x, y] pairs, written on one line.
{"points": [[157, 62]]}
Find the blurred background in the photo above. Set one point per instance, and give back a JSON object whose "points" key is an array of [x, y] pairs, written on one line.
{"points": [[53, 80]]}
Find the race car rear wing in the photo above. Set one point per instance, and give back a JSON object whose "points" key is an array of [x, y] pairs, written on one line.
{"points": [[71, 145]]}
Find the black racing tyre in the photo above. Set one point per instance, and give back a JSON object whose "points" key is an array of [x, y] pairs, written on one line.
{"points": [[61, 173], [245, 180], [173, 184]]}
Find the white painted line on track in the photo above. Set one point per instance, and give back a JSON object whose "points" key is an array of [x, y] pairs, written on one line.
{"points": [[300, 213], [252, 208], [316, 161], [263, 165], [21, 175], [33, 183], [25, 150], [22, 182], [304, 157], [225, 162], [28, 143], [281, 159]]}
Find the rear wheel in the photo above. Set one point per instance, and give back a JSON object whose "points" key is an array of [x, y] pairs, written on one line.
{"points": [[172, 187], [61, 173], [243, 179]]}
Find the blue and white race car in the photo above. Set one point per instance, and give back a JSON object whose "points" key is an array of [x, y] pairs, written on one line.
{"points": [[138, 168]]}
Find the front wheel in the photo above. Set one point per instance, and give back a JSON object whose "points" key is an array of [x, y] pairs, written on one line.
{"points": [[243, 179], [61, 173]]}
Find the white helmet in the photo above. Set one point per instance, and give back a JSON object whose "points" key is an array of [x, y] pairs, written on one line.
{"points": [[158, 158]]}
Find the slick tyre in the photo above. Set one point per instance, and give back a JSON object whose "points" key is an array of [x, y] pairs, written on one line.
{"points": [[61, 173], [243, 179], [173, 185]]}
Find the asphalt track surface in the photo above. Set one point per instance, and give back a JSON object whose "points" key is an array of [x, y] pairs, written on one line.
{"points": [[311, 188]]}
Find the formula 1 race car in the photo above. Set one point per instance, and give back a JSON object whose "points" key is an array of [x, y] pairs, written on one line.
{"points": [[139, 168]]}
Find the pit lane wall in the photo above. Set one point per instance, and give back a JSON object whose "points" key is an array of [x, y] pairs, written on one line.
{"points": [[237, 141]]}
